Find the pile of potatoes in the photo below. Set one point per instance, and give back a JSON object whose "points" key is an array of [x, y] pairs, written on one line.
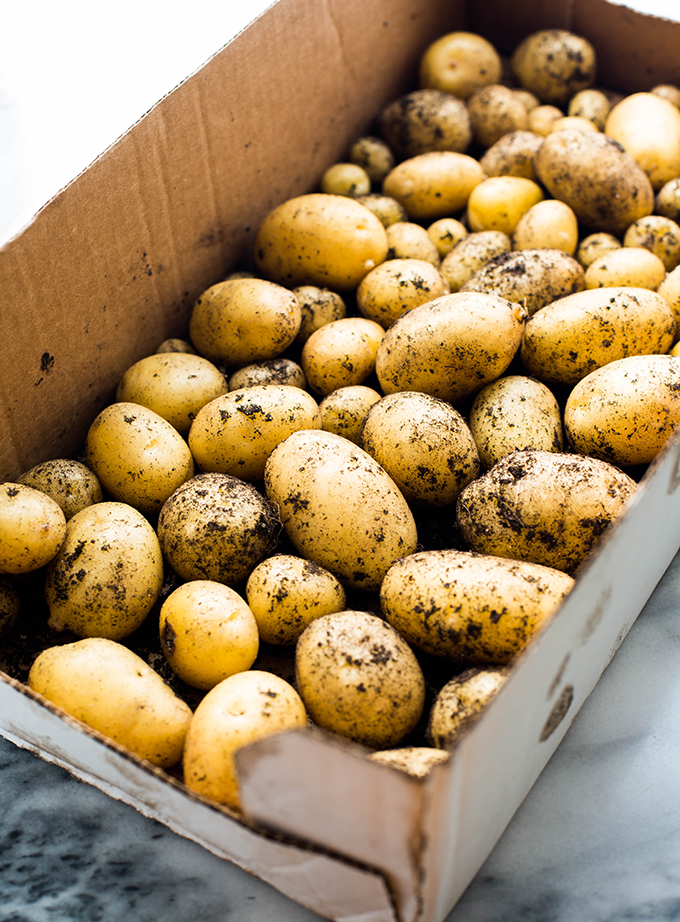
{"points": [[371, 470]]}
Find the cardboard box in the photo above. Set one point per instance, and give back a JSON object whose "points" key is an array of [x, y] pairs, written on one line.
{"points": [[112, 265]]}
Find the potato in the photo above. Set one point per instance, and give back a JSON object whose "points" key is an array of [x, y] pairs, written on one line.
{"points": [[175, 385], [286, 593], [648, 127], [358, 678], [407, 240], [573, 123], [667, 200], [668, 91], [669, 290], [470, 254], [425, 120], [595, 245], [242, 709], [397, 286], [424, 445], [318, 306], [625, 411], [460, 702], [343, 410], [460, 63], [174, 344], [113, 691], [544, 507], [339, 508], [528, 100], [275, 371], [414, 760], [658, 234], [602, 184], [138, 457], [373, 155], [345, 179], [207, 633], [495, 110], [513, 413], [470, 608], [627, 266], [433, 185], [446, 233], [10, 606], [542, 119], [216, 527], [244, 320], [107, 575], [235, 433], [69, 483], [317, 239], [32, 528], [450, 347], [549, 224], [554, 64], [592, 104], [566, 340], [499, 202], [386, 209], [532, 278], [512, 155], [341, 354]]}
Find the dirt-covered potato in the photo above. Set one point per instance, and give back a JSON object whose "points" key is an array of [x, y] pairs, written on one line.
{"points": [[358, 678], [425, 120], [339, 508], [245, 707], [532, 278], [235, 433], [446, 233], [592, 104], [554, 64], [450, 347], [648, 128], [107, 575], [32, 528], [542, 119], [341, 354], [372, 155], [10, 606], [625, 411], [407, 240], [460, 63], [344, 410], [345, 179], [114, 691], [513, 155], [175, 385], [541, 506], [668, 91], [138, 457], [667, 200], [424, 444], [495, 110], [566, 340], [470, 608], [658, 234], [549, 224], [207, 633], [470, 254], [244, 320], [216, 527], [460, 702], [384, 207], [627, 266], [414, 760], [327, 240], [669, 290], [286, 593], [70, 483], [595, 245], [318, 306], [514, 413], [433, 185], [175, 344], [497, 203], [397, 286], [603, 185], [275, 371]]}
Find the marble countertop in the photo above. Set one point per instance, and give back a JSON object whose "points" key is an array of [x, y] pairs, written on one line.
{"points": [[597, 838]]}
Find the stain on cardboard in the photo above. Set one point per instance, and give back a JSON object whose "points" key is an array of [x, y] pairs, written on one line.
{"points": [[46, 367], [558, 713]]}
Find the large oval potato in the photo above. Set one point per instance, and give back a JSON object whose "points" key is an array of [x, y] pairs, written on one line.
{"points": [[471, 608], [433, 185], [648, 128], [339, 508]]}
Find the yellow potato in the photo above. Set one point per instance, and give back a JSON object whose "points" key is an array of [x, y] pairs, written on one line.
{"points": [[499, 202], [496, 110], [433, 185], [116, 693], [513, 155], [397, 286], [460, 702], [470, 254], [669, 290], [529, 100], [358, 678], [573, 123], [627, 266], [446, 233], [242, 709], [107, 575], [407, 240], [10, 606], [667, 200], [32, 528], [318, 306], [548, 224], [207, 633], [425, 120], [470, 608], [592, 104], [460, 63], [595, 245], [668, 91], [174, 344], [345, 179], [658, 234], [414, 760], [343, 411], [373, 155], [554, 64], [275, 371], [69, 483], [648, 127], [386, 209], [542, 119], [341, 354]]}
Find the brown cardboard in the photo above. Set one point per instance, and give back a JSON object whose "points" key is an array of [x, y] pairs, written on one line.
{"points": [[111, 266]]}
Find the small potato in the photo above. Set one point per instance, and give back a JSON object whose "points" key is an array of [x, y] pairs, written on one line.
{"points": [[286, 593], [32, 528], [10, 606], [630, 266], [386, 209], [450, 347], [460, 702], [648, 127], [107, 575], [243, 708], [544, 507], [425, 120], [235, 433], [667, 200], [345, 179], [658, 234], [495, 110], [373, 155], [470, 608], [460, 63], [318, 306], [70, 483], [397, 286], [407, 240], [566, 340], [549, 224], [341, 353], [275, 371], [343, 411], [669, 290], [216, 527], [470, 254], [446, 233], [116, 693], [358, 678], [207, 633], [175, 385], [624, 412], [542, 119], [592, 104], [433, 185], [424, 445], [573, 123], [138, 457], [513, 155], [595, 245], [175, 345], [499, 202], [414, 760], [528, 100], [668, 91], [514, 413], [241, 321], [554, 64]]}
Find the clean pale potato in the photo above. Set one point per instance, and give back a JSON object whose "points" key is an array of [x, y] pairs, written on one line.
{"points": [[554, 64], [425, 120], [658, 234], [344, 410], [408, 240], [470, 254], [496, 110], [397, 286], [70, 483], [573, 123], [630, 266], [32, 528], [499, 202], [373, 155], [542, 119], [433, 185], [548, 224], [341, 354], [513, 155], [446, 233], [460, 63], [648, 127], [345, 179], [460, 702]]}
